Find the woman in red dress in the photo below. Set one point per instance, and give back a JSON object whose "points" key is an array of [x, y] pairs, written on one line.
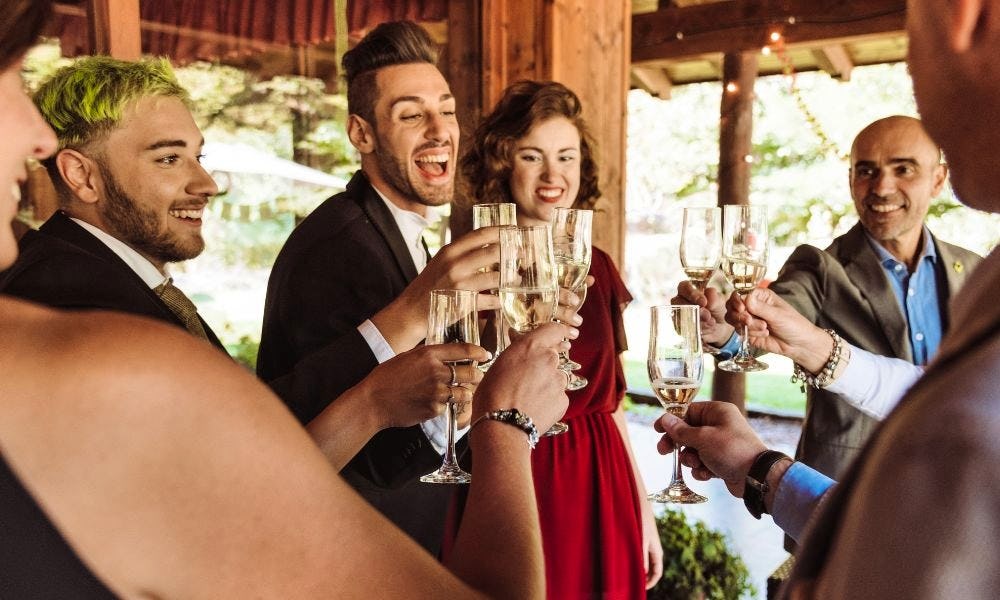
{"points": [[598, 530]]}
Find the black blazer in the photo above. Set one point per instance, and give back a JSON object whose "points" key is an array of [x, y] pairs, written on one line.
{"points": [[341, 265], [64, 266]]}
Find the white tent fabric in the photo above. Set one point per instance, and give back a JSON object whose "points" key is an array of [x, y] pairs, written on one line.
{"points": [[240, 158]]}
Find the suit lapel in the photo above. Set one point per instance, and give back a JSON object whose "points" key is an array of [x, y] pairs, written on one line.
{"points": [[863, 267], [380, 217], [62, 227]]}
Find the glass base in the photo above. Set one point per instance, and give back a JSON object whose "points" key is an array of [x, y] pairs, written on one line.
{"points": [[742, 366], [447, 474], [557, 428], [576, 382], [677, 493]]}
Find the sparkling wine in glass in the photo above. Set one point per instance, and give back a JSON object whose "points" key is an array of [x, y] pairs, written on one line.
{"points": [[675, 372], [528, 289], [452, 319], [701, 244], [744, 262], [571, 243], [490, 215]]}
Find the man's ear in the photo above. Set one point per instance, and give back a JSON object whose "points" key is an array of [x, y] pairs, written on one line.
{"points": [[940, 176], [361, 134], [80, 174], [966, 18]]}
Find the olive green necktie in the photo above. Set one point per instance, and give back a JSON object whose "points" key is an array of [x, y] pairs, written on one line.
{"points": [[181, 306]]}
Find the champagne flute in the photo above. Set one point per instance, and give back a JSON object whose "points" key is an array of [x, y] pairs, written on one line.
{"points": [[489, 215], [571, 243], [744, 262], [701, 247], [452, 318], [675, 371], [701, 244], [528, 288]]}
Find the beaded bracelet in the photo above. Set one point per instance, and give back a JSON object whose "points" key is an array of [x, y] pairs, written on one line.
{"points": [[825, 375]]}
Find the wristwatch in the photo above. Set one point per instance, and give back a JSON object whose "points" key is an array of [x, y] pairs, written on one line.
{"points": [[514, 417], [756, 484]]}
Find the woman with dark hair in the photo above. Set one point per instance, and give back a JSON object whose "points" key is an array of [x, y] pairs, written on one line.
{"points": [[598, 530], [136, 461]]}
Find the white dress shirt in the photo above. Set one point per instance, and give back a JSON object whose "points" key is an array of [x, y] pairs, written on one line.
{"points": [[149, 274], [411, 227], [874, 384]]}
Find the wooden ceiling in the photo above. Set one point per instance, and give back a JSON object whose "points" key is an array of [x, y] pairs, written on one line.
{"points": [[684, 41], [673, 42]]}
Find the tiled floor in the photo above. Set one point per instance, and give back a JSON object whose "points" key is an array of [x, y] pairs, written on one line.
{"points": [[759, 543]]}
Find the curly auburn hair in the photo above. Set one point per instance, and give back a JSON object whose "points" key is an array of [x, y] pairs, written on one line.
{"points": [[487, 166]]}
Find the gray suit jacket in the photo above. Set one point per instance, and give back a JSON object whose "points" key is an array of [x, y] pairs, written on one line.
{"points": [[845, 288], [918, 517]]}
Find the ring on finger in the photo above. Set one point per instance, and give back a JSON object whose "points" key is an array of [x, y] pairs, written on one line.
{"points": [[454, 376]]}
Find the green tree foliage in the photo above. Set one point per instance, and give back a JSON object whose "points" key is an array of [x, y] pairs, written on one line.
{"points": [[697, 563]]}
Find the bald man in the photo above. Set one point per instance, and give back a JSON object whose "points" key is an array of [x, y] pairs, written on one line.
{"points": [[883, 286]]}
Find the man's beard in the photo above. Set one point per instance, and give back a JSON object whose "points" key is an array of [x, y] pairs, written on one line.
{"points": [[395, 173], [142, 228]]}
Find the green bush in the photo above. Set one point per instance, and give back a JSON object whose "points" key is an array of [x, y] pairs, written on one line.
{"points": [[697, 563]]}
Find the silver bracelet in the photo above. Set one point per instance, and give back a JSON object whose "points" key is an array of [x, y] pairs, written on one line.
{"points": [[825, 375], [512, 416]]}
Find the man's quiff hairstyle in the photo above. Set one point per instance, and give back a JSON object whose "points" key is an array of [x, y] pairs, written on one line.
{"points": [[389, 44], [85, 101]]}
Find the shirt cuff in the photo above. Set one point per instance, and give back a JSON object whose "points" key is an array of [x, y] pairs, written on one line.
{"points": [[799, 493], [380, 348], [730, 348], [874, 384], [436, 430]]}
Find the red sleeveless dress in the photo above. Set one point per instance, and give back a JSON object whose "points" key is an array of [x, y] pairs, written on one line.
{"points": [[584, 484]]}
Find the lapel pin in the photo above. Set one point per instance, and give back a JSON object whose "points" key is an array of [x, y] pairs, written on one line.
{"points": [[958, 267]]}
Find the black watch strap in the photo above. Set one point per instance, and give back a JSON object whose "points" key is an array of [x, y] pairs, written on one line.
{"points": [[756, 484]]}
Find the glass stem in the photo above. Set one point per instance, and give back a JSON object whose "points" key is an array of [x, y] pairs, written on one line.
{"points": [[678, 477], [452, 422]]}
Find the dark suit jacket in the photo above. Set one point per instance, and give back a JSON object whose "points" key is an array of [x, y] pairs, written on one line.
{"points": [[64, 266], [917, 517], [845, 288], [341, 265]]}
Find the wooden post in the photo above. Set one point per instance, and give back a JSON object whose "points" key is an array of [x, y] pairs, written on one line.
{"points": [[114, 28], [583, 44], [739, 72], [462, 65]]}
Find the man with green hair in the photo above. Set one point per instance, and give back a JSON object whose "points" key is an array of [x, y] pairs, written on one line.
{"points": [[131, 193]]}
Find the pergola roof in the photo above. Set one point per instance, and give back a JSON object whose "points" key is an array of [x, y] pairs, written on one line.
{"points": [[673, 42], [684, 41]]}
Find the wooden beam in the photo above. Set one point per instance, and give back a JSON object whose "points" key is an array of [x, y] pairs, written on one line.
{"points": [[744, 25], [654, 80], [114, 28], [835, 60]]}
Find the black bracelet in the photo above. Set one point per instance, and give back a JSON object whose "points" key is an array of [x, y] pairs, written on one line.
{"points": [[756, 486]]}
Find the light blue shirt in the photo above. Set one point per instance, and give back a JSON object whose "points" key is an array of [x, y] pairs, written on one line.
{"points": [[799, 493], [917, 295]]}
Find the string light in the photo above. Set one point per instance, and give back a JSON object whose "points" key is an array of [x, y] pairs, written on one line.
{"points": [[732, 87], [777, 47]]}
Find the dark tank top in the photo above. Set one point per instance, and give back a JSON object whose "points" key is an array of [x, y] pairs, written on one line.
{"points": [[35, 560]]}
